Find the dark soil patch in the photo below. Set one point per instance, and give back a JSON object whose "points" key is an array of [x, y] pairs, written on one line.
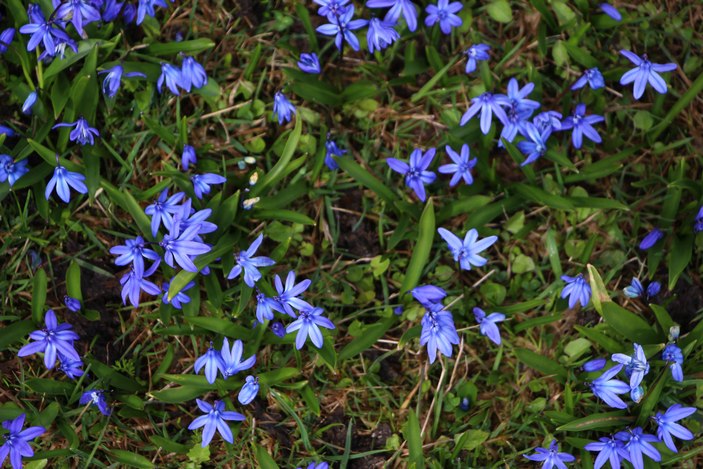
{"points": [[687, 303], [362, 440], [359, 237]]}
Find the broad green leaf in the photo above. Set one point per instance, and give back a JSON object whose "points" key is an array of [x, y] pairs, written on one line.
{"points": [[617, 419], [413, 437], [542, 197], [50, 386], [366, 340], [541, 363], [178, 395], [500, 11], [680, 256], [131, 459], [14, 333], [73, 281], [363, 177], [629, 325], [652, 398], [422, 248], [282, 215], [38, 295], [112, 377], [170, 49], [276, 173], [264, 458], [168, 444], [599, 294], [663, 318], [220, 326]]}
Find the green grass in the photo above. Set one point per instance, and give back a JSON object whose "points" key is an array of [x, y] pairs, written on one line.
{"points": [[369, 398]]}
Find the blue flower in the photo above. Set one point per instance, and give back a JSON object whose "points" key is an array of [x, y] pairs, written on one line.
{"points": [[145, 8], [29, 103], [78, 13], [10, 170], [282, 108], [674, 356], [438, 333], [17, 441], [97, 398], [487, 324], [582, 125], [593, 77], [53, 339], [428, 295], [611, 11], [651, 239], [249, 390], [134, 251], [636, 394], [515, 123], [645, 72], [697, 224], [265, 307], [6, 37], [309, 63], [331, 7], [188, 157], [596, 364], [192, 74], [668, 426], [577, 289], [82, 132], [653, 290], [461, 166], [215, 419], [232, 358], [415, 171], [59, 49], [380, 34], [278, 329], [172, 76], [488, 104], [5, 130], [634, 290], [444, 13], [466, 252], [182, 245], [179, 298], [163, 209], [517, 97], [72, 368], [61, 180], [212, 362], [398, 7], [475, 53], [314, 465], [637, 443], [111, 10], [287, 297], [201, 183], [547, 120], [609, 449], [636, 366], [332, 150], [607, 388], [308, 324], [248, 263], [341, 28], [535, 144], [42, 31], [113, 79], [134, 282], [72, 304], [551, 457]]}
